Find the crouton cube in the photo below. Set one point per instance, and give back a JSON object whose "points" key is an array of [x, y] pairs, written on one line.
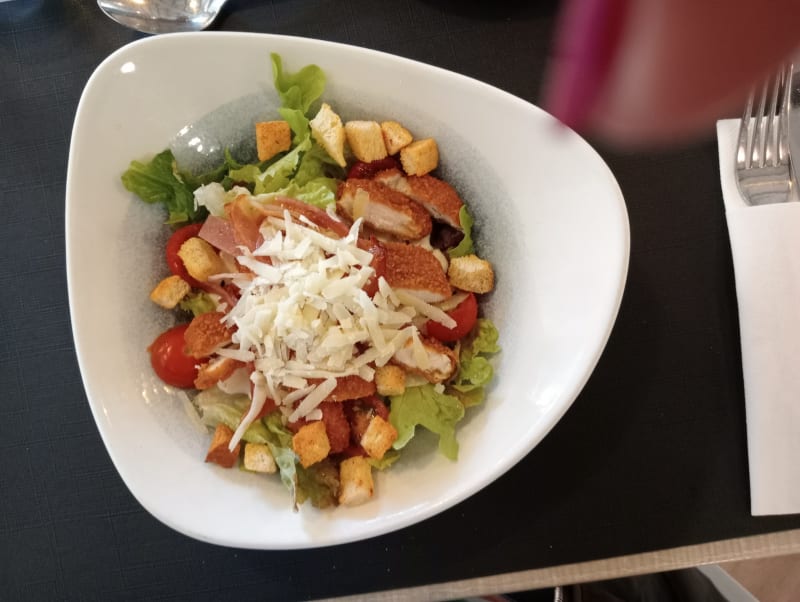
{"points": [[200, 259], [169, 292], [420, 157], [272, 137], [390, 380], [258, 458], [355, 481], [395, 136], [328, 131], [218, 451], [471, 273], [378, 437], [365, 140], [311, 443]]}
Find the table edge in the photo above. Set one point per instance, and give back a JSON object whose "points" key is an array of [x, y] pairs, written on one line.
{"points": [[741, 548]]}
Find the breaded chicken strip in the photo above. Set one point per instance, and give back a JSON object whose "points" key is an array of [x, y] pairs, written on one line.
{"points": [[432, 360], [416, 270], [437, 196], [383, 209]]}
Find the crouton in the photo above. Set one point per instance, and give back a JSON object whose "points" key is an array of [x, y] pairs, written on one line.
{"points": [[328, 131], [218, 451], [420, 157], [355, 478], [390, 380], [378, 437], [272, 137], [365, 140], [311, 443], [258, 458], [169, 292], [395, 136], [471, 273], [200, 259]]}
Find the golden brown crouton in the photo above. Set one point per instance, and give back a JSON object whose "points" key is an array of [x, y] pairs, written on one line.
{"points": [[200, 259], [311, 443], [272, 137], [328, 131], [390, 380], [395, 136], [471, 273], [170, 291], [258, 458], [365, 140], [378, 437], [218, 451], [420, 157], [355, 478]]}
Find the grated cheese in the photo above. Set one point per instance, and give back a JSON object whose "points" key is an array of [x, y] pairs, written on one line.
{"points": [[303, 314]]}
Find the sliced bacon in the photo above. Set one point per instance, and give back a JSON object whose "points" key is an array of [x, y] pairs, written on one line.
{"points": [[218, 232]]}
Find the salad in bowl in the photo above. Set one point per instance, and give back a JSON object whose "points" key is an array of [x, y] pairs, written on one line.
{"points": [[326, 295]]}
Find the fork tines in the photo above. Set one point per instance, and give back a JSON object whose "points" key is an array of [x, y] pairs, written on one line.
{"points": [[762, 154]]}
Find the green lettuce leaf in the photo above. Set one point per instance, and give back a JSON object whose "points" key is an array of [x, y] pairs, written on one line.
{"points": [[216, 407], [474, 369], [198, 303], [424, 406], [389, 458], [318, 483], [279, 440], [297, 90], [158, 181], [465, 247]]}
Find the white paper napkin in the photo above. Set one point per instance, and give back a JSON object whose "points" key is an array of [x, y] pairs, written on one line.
{"points": [[765, 241]]}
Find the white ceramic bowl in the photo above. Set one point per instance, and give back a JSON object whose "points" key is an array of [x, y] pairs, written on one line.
{"points": [[550, 217]]}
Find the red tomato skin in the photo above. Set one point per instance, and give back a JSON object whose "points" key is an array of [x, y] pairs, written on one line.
{"points": [[175, 263], [170, 362], [367, 171], [465, 315]]}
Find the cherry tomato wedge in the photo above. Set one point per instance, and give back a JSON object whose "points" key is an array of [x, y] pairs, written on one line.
{"points": [[465, 314], [175, 263], [169, 361]]}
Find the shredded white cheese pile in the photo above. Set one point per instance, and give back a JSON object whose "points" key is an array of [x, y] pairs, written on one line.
{"points": [[303, 314]]}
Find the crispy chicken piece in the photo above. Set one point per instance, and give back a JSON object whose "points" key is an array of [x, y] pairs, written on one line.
{"points": [[205, 333], [416, 270], [214, 371], [348, 387], [383, 209], [438, 364], [437, 196]]}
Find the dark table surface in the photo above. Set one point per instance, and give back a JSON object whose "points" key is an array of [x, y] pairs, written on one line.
{"points": [[651, 455]]}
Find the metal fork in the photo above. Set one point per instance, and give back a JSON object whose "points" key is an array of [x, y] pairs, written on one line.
{"points": [[763, 171]]}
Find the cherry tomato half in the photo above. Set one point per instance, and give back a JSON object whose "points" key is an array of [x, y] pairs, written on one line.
{"points": [[169, 361], [175, 263], [465, 314]]}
